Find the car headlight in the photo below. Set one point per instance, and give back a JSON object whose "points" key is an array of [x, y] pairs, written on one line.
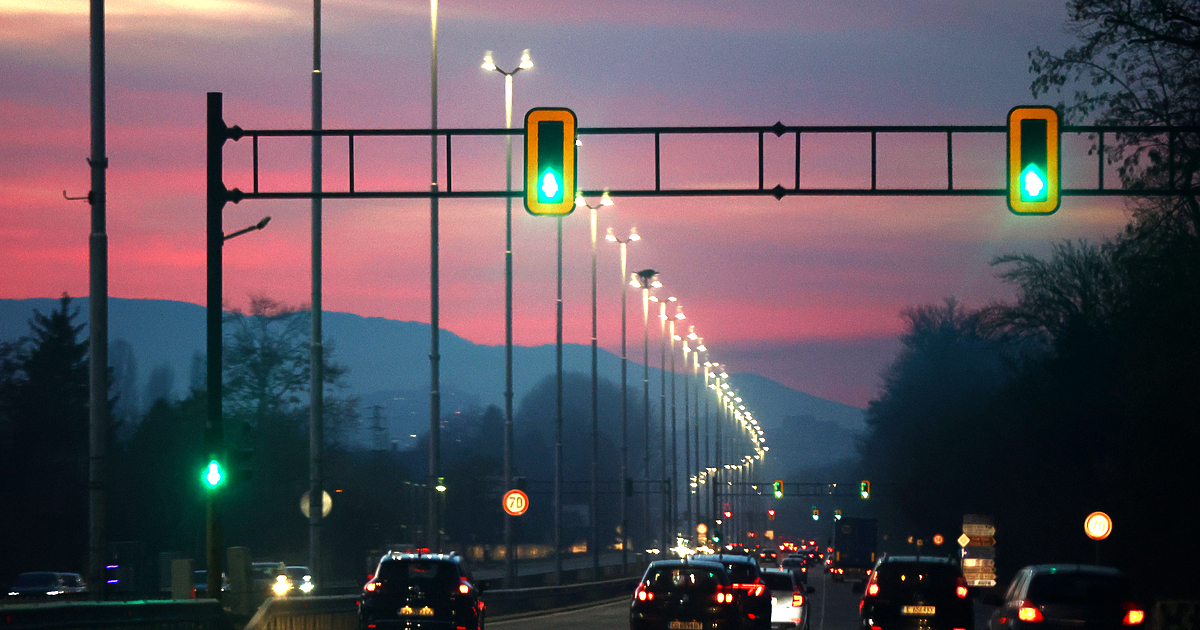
{"points": [[306, 586], [281, 585]]}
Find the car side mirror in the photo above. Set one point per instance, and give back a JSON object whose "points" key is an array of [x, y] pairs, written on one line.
{"points": [[859, 588]]}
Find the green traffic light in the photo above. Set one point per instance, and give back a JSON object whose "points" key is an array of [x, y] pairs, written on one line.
{"points": [[778, 489], [550, 186], [213, 475], [1033, 184]]}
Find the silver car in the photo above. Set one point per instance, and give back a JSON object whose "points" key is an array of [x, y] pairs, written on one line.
{"points": [[789, 599]]}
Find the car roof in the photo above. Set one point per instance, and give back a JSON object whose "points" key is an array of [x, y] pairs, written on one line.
{"points": [[708, 564], [446, 557], [727, 557], [918, 559], [1074, 568]]}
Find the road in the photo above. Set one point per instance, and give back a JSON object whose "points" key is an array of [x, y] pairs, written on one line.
{"points": [[834, 608]]}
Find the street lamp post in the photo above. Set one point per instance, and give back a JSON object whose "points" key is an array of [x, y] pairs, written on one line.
{"points": [[605, 200], [647, 279], [674, 435], [612, 238], [665, 506], [525, 63]]}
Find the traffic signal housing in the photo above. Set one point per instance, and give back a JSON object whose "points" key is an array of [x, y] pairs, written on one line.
{"points": [[213, 475], [816, 514], [778, 487], [1034, 160], [550, 167], [864, 489]]}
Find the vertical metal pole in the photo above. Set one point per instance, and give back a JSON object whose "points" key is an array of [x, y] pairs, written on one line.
{"points": [[662, 414], [595, 533], [688, 524], [624, 420], [558, 422], [213, 434], [316, 384], [674, 447], [646, 405], [510, 561], [433, 535], [97, 310], [717, 455]]}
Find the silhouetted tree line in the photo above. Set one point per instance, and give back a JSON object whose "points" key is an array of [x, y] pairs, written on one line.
{"points": [[1083, 393]]}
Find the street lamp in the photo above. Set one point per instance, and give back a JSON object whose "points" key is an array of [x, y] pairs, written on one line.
{"points": [[674, 435], [525, 64], [662, 371], [646, 279], [605, 200], [612, 238]]}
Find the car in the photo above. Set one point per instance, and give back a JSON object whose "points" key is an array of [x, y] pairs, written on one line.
{"points": [[685, 594], [789, 599], [1076, 596], [421, 590], [200, 580], [797, 564], [48, 584], [767, 556], [264, 575], [295, 580], [747, 582], [927, 592]]}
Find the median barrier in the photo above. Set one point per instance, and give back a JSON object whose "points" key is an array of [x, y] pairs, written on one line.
{"points": [[204, 614]]}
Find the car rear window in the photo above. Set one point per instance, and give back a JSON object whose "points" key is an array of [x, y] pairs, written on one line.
{"points": [[36, 579], [777, 581], [683, 578], [420, 571], [1076, 588], [900, 575]]}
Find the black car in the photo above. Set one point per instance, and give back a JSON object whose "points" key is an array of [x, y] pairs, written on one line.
{"points": [[748, 584], [916, 592], [421, 591], [684, 595], [1058, 596]]}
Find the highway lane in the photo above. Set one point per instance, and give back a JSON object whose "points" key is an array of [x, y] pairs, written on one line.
{"points": [[834, 607]]}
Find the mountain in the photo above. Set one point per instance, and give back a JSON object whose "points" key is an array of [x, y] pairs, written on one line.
{"points": [[389, 373]]}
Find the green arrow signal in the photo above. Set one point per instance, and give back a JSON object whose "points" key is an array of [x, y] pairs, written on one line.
{"points": [[1033, 183], [550, 185]]}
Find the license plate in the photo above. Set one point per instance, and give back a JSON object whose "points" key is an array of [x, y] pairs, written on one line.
{"points": [[919, 610], [685, 625]]}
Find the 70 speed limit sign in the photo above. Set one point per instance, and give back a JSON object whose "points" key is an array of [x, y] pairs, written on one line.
{"points": [[515, 502]]}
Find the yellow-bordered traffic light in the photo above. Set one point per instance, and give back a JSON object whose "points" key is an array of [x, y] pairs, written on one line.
{"points": [[550, 167], [1034, 165], [864, 489], [778, 488]]}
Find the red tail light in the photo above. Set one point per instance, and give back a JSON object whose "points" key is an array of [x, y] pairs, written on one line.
{"points": [[371, 587], [642, 594], [723, 597], [752, 589], [873, 590], [961, 588], [1029, 613], [797, 600], [1133, 617], [464, 589]]}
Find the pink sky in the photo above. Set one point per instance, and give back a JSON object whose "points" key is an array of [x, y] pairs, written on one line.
{"points": [[772, 283]]}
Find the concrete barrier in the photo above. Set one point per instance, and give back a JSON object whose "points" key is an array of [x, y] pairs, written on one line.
{"points": [[203, 614]]}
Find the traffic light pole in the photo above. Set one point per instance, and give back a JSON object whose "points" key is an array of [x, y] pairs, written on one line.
{"points": [[213, 433]]}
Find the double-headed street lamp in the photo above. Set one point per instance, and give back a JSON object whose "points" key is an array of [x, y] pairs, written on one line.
{"points": [[612, 238], [605, 200], [647, 279], [525, 64]]}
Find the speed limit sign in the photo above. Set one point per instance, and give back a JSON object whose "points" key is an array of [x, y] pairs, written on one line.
{"points": [[515, 502]]}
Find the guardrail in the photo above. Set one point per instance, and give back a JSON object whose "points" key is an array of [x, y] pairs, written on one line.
{"points": [[205, 614]]}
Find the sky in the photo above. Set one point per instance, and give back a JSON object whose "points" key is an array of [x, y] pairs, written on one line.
{"points": [[808, 291]]}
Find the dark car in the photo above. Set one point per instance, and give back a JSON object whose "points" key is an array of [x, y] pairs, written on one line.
{"points": [[798, 564], [1059, 596], [748, 584], [789, 599], [48, 584], [924, 592], [200, 580], [684, 595], [421, 591], [766, 556]]}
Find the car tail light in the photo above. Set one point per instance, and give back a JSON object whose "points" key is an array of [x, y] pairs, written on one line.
{"points": [[1133, 617], [873, 590], [797, 599], [642, 594], [464, 589], [371, 587], [961, 589], [723, 597], [1029, 613]]}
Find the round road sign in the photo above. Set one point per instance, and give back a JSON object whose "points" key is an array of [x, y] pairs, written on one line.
{"points": [[938, 539], [515, 502], [1097, 526]]}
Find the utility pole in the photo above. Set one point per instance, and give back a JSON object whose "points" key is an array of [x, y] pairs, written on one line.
{"points": [[97, 311]]}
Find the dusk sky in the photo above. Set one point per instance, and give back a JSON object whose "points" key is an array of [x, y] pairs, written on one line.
{"points": [[807, 291]]}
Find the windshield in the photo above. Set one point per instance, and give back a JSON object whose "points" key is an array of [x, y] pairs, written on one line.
{"points": [[418, 571], [913, 575], [683, 578], [777, 581], [1076, 588]]}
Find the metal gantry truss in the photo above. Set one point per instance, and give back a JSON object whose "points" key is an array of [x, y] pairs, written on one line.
{"points": [[779, 191]]}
